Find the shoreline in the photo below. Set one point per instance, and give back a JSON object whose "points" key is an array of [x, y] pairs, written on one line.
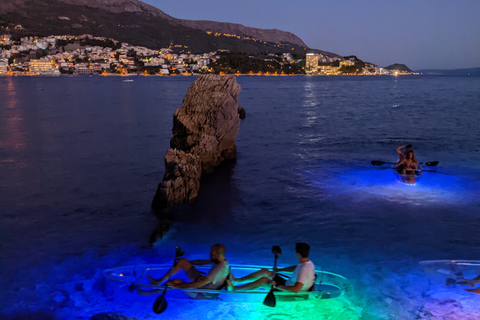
{"points": [[198, 74]]}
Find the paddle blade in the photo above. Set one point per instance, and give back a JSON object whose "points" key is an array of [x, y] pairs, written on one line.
{"points": [[431, 163], [270, 300], [276, 250], [377, 162], [160, 305], [179, 252]]}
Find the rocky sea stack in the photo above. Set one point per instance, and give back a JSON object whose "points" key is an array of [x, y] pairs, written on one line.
{"points": [[204, 132]]}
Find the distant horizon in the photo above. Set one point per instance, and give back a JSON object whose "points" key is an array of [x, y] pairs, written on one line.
{"points": [[431, 34], [421, 69]]}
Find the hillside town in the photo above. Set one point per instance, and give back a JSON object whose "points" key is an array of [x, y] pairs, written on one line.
{"points": [[90, 55]]}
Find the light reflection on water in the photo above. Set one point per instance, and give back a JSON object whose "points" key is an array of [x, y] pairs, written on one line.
{"points": [[12, 134], [433, 188]]}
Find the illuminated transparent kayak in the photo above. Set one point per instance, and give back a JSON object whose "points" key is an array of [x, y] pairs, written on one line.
{"points": [[328, 285], [408, 178], [461, 272]]}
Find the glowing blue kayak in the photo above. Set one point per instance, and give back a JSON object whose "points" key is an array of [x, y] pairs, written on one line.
{"points": [[327, 284], [409, 178], [462, 272]]}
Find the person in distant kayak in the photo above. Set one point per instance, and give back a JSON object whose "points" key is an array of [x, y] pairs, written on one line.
{"points": [[401, 154], [409, 165], [302, 279], [214, 279]]}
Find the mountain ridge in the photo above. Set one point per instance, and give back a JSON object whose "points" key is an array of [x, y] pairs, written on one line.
{"points": [[136, 22], [274, 35]]}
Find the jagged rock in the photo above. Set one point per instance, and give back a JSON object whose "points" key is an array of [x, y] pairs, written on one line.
{"points": [[181, 181], [204, 132], [241, 112], [160, 230], [207, 123]]}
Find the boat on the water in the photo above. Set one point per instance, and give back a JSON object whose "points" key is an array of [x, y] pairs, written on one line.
{"points": [[408, 178], [461, 272], [328, 285]]}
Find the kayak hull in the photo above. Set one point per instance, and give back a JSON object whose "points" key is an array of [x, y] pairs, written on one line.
{"points": [[410, 179], [327, 285]]}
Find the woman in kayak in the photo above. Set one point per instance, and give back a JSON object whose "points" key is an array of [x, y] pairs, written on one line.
{"points": [[409, 165], [401, 154]]}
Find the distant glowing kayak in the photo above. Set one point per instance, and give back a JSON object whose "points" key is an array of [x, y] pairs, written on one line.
{"points": [[461, 272], [328, 285], [409, 178]]}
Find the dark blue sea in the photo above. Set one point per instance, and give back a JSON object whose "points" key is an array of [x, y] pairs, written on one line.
{"points": [[81, 158]]}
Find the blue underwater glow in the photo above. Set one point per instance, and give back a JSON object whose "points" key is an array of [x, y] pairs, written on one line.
{"points": [[432, 188], [73, 289]]}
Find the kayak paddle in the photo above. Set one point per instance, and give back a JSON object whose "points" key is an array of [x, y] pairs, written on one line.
{"points": [[379, 163], [270, 300], [430, 164], [161, 304]]}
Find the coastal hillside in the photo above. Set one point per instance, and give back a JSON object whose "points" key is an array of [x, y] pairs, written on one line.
{"points": [[398, 67], [140, 24]]}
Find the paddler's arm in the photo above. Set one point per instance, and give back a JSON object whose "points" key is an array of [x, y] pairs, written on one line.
{"points": [[399, 149], [295, 288]]}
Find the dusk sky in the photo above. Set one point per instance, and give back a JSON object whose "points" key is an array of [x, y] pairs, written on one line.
{"points": [[439, 34]]}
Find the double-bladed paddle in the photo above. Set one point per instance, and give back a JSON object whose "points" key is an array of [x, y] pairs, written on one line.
{"points": [[270, 300], [380, 163], [430, 164], [161, 304]]}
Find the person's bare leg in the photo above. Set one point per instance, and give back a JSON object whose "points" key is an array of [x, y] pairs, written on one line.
{"points": [[183, 264], [148, 292], [476, 290], [249, 286], [252, 276]]}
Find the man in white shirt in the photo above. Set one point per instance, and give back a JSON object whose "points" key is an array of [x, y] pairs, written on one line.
{"points": [[302, 279]]}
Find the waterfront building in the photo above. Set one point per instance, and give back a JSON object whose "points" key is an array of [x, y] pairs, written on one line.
{"points": [[42, 68], [311, 63], [3, 67], [99, 67], [83, 69]]}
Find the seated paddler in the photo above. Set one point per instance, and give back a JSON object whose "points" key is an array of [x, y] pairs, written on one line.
{"points": [[214, 279], [302, 279]]}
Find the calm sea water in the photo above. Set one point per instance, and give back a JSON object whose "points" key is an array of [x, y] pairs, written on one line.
{"points": [[81, 157]]}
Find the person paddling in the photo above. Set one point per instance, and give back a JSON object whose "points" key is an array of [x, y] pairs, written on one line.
{"points": [[302, 279], [401, 154], [409, 165], [214, 279]]}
